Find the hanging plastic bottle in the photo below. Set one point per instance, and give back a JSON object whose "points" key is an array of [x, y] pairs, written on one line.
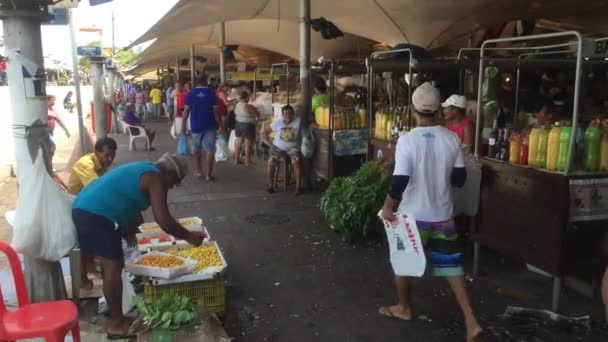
{"points": [[564, 144], [553, 147], [514, 148], [541, 151], [533, 146], [523, 150], [591, 161]]}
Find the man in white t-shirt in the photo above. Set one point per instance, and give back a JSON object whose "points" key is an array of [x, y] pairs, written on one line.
{"points": [[284, 144], [428, 162]]}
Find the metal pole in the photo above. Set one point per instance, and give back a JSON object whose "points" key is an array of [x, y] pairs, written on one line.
{"points": [[99, 99], [577, 91], [76, 77], [478, 118], [192, 66], [306, 96], [113, 40], [332, 104], [557, 289], [178, 70], [370, 102], [222, 52]]}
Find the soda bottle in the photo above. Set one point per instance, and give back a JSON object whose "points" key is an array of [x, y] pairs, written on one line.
{"points": [[533, 146], [604, 152], [523, 150], [504, 146], [591, 161], [564, 144], [553, 147], [492, 141], [514, 148], [541, 151], [499, 141]]}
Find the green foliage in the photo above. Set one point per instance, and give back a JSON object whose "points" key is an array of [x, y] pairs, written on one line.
{"points": [[125, 58], [169, 312], [351, 204]]}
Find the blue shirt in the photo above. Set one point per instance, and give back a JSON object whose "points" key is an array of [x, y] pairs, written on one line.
{"points": [[117, 195], [201, 101]]}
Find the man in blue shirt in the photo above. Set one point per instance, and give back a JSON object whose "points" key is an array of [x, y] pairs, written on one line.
{"points": [[201, 109]]}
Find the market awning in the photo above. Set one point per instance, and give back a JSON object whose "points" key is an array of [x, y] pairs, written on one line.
{"points": [[429, 24]]}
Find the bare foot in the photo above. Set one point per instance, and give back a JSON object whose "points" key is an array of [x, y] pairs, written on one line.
{"points": [[473, 331], [120, 328], [397, 312], [86, 285]]}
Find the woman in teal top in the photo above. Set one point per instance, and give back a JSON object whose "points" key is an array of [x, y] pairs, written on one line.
{"points": [[109, 209]]}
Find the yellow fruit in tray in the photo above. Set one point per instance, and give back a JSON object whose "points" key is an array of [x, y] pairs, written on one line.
{"points": [[206, 256], [164, 261]]}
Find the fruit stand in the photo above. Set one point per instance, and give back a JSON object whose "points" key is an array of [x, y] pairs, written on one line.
{"points": [[341, 135], [390, 110], [549, 217]]}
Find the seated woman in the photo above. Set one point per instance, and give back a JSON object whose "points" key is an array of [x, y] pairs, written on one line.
{"points": [[246, 117], [130, 118], [285, 143]]}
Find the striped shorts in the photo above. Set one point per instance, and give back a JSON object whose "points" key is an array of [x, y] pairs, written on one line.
{"points": [[440, 239]]}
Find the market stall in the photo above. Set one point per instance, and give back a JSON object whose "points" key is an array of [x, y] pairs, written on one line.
{"points": [[392, 76], [341, 133], [543, 188]]}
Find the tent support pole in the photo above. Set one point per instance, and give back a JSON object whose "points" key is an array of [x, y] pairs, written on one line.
{"points": [[222, 52], [177, 69], [192, 65], [306, 97]]}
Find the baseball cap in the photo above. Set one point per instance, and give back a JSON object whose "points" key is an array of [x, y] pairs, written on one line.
{"points": [[456, 101], [426, 98]]}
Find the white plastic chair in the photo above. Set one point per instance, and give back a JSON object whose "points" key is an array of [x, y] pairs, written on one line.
{"points": [[141, 134]]}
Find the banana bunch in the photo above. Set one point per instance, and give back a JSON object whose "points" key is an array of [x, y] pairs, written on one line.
{"points": [[206, 256]]}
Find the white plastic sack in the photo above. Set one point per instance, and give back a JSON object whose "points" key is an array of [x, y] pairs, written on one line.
{"points": [[232, 142], [43, 226], [466, 199], [221, 149], [405, 247], [128, 292]]}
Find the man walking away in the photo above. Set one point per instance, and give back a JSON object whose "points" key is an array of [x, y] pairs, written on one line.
{"points": [[430, 159], [201, 109], [156, 95], [169, 98]]}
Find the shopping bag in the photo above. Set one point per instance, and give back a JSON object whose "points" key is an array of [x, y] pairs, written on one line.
{"points": [[466, 199], [405, 247], [221, 149], [43, 226], [128, 292], [182, 145], [308, 143], [232, 142]]}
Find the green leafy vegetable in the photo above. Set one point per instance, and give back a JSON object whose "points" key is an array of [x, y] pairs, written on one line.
{"points": [[351, 204], [168, 312]]}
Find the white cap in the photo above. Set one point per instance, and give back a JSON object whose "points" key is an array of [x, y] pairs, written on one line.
{"points": [[426, 98], [456, 101]]}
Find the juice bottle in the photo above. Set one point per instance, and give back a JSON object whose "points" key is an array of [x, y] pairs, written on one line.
{"points": [[523, 150], [388, 127], [604, 152], [591, 161], [533, 146], [541, 151], [362, 118], [514, 148], [564, 145], [553, 147]]}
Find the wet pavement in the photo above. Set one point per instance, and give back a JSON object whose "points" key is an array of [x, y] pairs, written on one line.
{"points": [[290, 278]]}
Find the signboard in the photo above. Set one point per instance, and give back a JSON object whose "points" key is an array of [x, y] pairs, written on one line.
{"points": [[60, 16], [248, 76], [65, 4], [595, 49], [89, 51]]}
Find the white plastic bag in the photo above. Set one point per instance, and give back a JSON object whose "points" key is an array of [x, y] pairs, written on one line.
{"points": [[232, 142], [405, 247], [128, 292], [43, 226], [221, 149], [466, 199]]}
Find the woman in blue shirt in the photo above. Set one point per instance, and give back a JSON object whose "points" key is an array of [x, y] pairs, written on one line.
{"points": [[109, 209]]}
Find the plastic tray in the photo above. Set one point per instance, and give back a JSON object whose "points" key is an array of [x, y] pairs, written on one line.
{"points": [[161, 272], [152, 229], [164, 245], [208, 273]]}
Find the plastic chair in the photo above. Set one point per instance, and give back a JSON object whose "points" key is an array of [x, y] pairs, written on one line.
{"points": [[50, 320], [140, 133]]}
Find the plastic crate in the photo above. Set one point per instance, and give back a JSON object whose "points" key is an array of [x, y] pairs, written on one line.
{"points": [[209, 294]]}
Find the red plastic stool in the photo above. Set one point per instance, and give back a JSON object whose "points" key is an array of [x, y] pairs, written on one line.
{"points": [[50, 320]]}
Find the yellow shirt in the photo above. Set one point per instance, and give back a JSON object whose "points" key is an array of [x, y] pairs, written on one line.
{"points": [[156, 96], [85, 170]]}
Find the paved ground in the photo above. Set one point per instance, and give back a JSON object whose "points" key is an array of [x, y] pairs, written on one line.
{"points": [[292, 279]]}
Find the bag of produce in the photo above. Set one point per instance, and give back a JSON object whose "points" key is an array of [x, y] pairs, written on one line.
{"points": [[405, 247], [43, 226]]}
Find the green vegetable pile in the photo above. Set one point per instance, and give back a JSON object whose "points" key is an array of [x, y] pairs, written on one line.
{"points": [[169, 312], [351, 204]]}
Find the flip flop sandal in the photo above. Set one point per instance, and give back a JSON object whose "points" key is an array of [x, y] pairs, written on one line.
{"points": [[386, 312]]}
